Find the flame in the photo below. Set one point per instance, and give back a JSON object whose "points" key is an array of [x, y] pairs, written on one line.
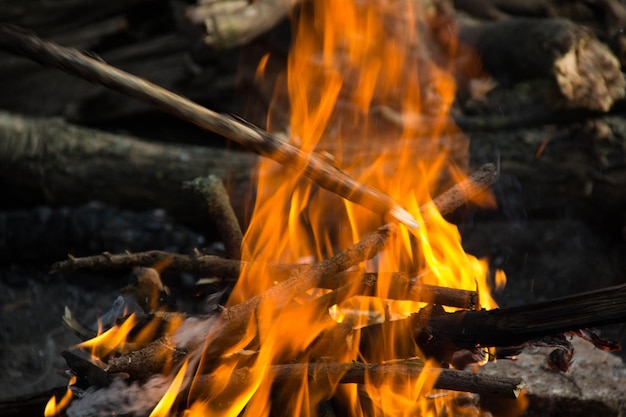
{"points": [[364, 91], [163, 407], [113, 339], [54, 408]]}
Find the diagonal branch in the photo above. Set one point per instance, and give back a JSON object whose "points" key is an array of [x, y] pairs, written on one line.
{"points": [[311, 165]]}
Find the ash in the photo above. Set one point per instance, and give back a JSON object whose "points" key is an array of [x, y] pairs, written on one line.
{"points": [[120, 398]]}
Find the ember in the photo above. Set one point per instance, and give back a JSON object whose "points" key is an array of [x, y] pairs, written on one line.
{"points": [[352, 293]]}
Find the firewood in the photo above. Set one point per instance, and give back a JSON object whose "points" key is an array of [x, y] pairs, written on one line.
{"points": [[233, 320], [313, 166], [326, 375], [584, 71], [441, 334], [220, 209], [229, 24]]}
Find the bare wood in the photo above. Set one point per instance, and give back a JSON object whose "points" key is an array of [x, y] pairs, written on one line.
{"points": [[251, 137], [440, 334], [326, 375], [229, 24], [212, 190]]}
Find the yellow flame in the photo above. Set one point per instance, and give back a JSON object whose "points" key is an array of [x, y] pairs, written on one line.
{"points": [[363, 90], [54, 408], [163, 407], [112, 339]]}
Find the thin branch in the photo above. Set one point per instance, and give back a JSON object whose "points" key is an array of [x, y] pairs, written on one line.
{"points": [[313, 166]]}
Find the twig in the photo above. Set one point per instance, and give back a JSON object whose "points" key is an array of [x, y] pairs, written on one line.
{"points": [[403, 287], [230, 327], [311, 165], [322, 375], [213, 191]]}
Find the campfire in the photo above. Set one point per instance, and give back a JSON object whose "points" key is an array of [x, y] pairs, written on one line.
{"points": [[351, 293]]}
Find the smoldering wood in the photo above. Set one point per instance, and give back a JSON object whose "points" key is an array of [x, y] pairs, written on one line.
{"points": [[312, 166], [221, 211], [326, 375], [584, 71]]}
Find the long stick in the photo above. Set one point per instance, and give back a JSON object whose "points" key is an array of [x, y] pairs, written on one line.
{"points": [[326, 176], [358, 373]]}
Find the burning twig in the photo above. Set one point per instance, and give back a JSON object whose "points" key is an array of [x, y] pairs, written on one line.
{"points": [[313, 166], [213, 191], [327, 374]]}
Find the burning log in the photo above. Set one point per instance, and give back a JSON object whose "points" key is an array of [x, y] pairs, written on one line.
{"points": [[313, 166]]}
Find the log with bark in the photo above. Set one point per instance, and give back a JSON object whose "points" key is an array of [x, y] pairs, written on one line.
{"points": [[47, 161], [583, 71]]}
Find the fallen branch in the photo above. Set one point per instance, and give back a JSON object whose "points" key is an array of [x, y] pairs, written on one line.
{"points": [[313, 166]]}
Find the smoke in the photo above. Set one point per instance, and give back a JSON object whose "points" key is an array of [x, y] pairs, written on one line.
{"points": [[120, 398]]}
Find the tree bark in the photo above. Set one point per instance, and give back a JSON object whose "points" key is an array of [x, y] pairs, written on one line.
{"points": [[47, 161]]}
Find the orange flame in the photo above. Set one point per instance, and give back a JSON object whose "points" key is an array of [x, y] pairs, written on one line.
{"points": [[364, 90], [54, 408], [163, 407]]}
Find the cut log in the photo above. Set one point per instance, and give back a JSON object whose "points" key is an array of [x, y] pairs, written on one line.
{"points": [[584, 71]]}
